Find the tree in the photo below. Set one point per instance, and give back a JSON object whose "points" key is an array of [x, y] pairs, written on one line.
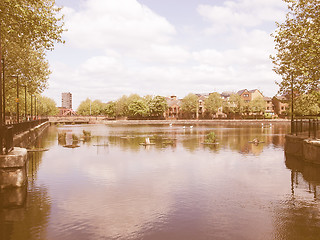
{"points": [[27, 29], [257, 105], [122, 106], [235, 105], [213, 103], [46, 106], [157, 106], [92, 108], [138, 108], [298, 49], [110, 109], [307, 104], [190, 104]]}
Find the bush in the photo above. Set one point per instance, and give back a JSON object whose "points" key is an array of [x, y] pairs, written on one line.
{"points": [[210, 138]]}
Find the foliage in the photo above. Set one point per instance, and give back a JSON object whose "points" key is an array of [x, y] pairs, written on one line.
{"points": [[213, 103], [307, 104], [27, 29], [234, 105], [36, 23], [157, 106], [91, 108], [297, 45], [121, 108], [110, 109], [138, 108], [189, 104], [46, 106], [210, 138], [257, 105]]}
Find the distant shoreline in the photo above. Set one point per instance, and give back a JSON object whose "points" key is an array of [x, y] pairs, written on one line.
{"points": [[193, 122]]}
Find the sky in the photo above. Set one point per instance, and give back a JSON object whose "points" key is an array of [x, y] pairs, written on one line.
{"points": [[167, 47]]}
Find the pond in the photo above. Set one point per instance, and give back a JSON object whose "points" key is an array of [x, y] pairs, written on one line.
{"points": [[111, 187]]}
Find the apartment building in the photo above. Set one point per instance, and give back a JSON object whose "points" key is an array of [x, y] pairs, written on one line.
{"points": [[66, 100]]}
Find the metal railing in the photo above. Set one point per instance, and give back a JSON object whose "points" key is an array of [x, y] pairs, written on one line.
{"points": [[10, 130], [307, 127]]}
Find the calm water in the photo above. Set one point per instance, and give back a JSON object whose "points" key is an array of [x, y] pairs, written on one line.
{"points": [[171, 190]]}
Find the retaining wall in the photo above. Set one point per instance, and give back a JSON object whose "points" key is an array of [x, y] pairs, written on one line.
{"points": [[306, 149]]}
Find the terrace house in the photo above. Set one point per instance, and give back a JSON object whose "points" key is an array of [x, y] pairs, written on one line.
{"points": [[173, 111]]}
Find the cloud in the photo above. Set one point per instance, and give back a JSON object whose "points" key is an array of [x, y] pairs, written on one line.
{"points": [[122, 24], [124, 47], [241, 14]]}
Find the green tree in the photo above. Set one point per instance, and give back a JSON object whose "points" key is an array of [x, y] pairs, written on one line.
{"points": [[235, 105], [92, 108], [122, 106], [157, 106], [298, 49], [110, 109], [189, 105], [257, 105], [138, 108], [213, 103], [27, 29], [307, 104], [46, 106]]}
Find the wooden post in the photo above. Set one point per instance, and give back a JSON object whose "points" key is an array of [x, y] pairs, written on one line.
{"points": [[1, 116]]}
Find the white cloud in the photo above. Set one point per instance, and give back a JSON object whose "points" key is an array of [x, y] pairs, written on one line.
{"points": [[122, 23], [123, 47], [241, 14]]}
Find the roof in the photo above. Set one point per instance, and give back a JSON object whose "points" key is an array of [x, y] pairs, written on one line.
{"points": [[173, 102], [226, 94], [281, 98], [242, 91]]}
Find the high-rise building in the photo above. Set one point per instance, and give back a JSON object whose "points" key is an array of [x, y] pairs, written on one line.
{"points": [[66, 100]]}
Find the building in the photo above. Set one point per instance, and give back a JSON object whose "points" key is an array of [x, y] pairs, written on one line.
{"points": [[248, 96], [173, 107], [66, 100], [269, 106], [281, 105]]}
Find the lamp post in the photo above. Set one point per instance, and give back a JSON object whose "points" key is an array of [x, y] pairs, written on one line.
{"points": [[17, 99], [25, 101], [292, 123], [35, 107], [3, 93], [31, 113]]}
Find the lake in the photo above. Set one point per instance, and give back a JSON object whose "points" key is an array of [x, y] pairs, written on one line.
{"points": [[111, 187]]}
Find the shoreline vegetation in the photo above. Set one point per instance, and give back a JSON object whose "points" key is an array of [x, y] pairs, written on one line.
{"points": [[192, 122]]}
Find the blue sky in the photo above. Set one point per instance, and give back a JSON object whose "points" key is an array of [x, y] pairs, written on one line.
{"points": [[116, 47]]}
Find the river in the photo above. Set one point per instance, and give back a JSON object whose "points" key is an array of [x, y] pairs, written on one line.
{"points": [[111, 187]]}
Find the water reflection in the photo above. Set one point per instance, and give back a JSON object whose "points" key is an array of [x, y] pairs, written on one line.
{"points": [[304, 176], [113, 188], [299, 214], [233, 137]]}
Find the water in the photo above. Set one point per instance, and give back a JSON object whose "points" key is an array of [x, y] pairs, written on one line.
{"points": [[175, 189]]}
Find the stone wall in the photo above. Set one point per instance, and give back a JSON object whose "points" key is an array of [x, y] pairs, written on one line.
{"points": [[25, 139], [306, 149], [13, 168]]}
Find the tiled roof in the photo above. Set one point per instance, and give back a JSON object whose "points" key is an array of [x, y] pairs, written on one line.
{"points": [[241, 91]]}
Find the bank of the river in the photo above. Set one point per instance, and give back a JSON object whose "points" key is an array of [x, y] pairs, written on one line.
{"points": [[193, 122]]}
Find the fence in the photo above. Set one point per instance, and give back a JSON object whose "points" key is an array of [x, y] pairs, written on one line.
{"points": [[306, 127], [13, 129]]}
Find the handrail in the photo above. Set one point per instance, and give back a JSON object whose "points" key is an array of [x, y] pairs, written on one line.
{"points": [[10, 130], [306, 126]]}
